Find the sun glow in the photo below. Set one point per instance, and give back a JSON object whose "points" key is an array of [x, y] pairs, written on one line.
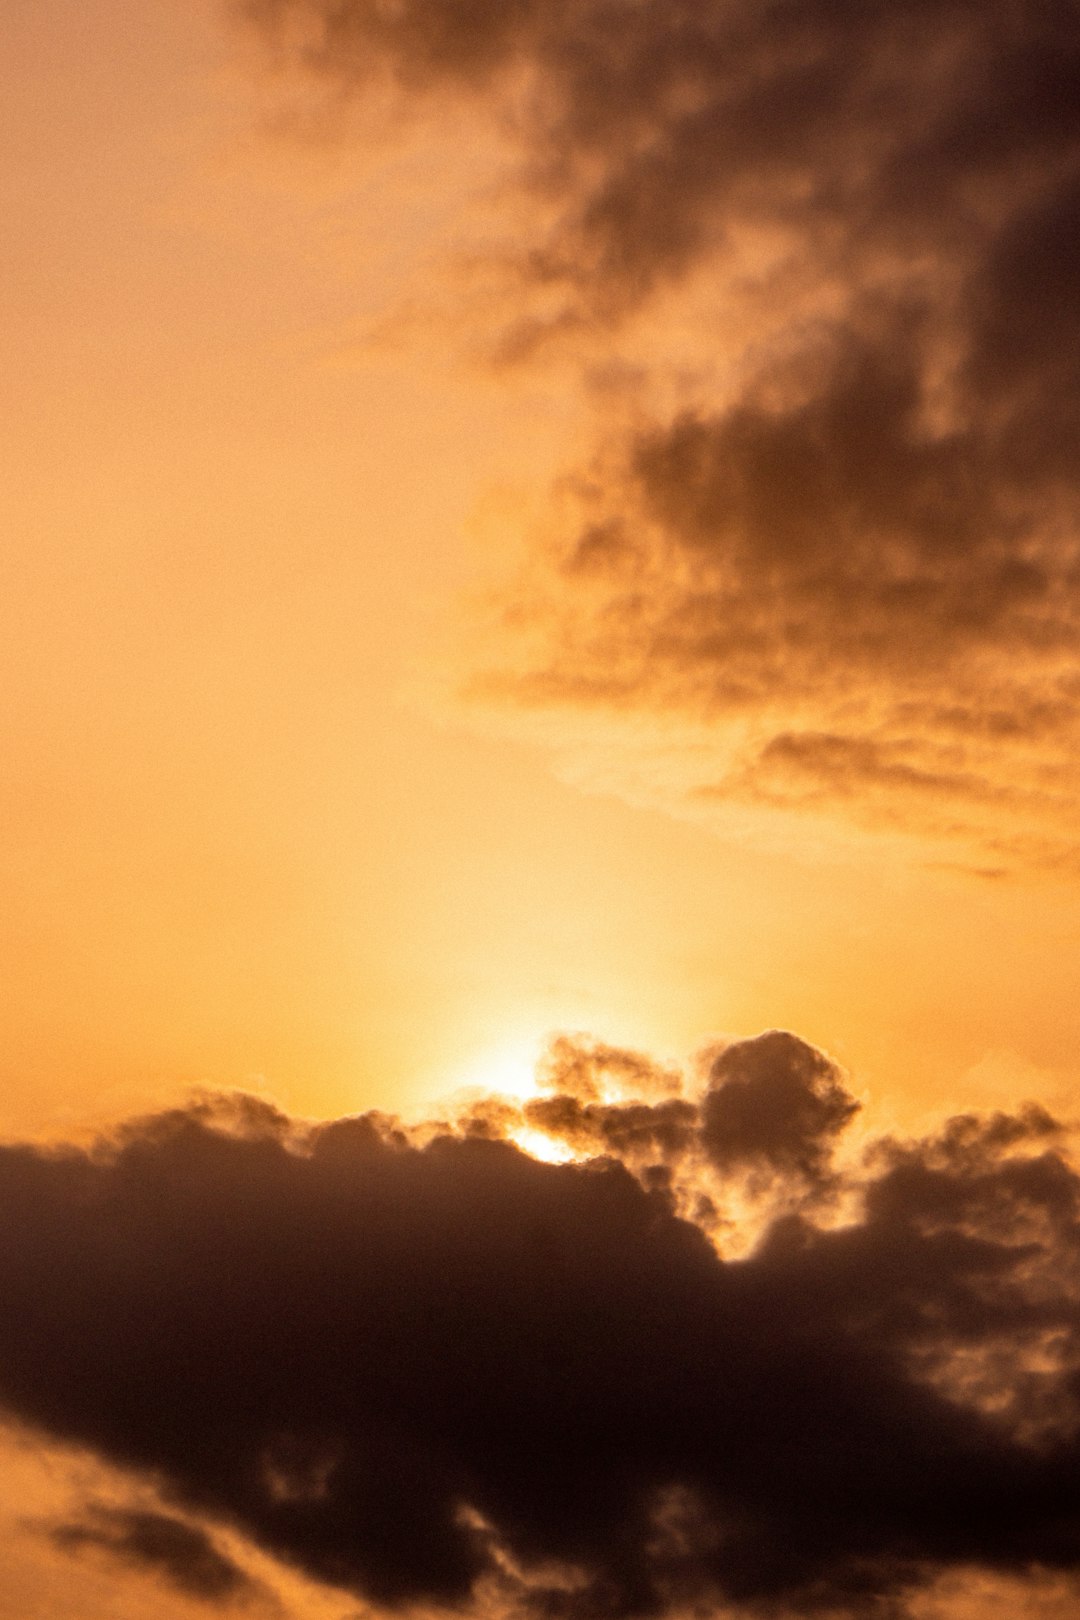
{"points": [[538, 1145], [508, 1070]]}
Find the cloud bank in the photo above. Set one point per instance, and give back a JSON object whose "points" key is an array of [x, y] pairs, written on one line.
{"points": [[434, 1371], [843, 555]]}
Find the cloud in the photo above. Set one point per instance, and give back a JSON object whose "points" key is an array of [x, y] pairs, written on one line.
{"points": [[849, 611], [655, 130], [761, 1127], [438, 1372], [774, 1103], [601, 1099], [841, 561], [183, 1554]]}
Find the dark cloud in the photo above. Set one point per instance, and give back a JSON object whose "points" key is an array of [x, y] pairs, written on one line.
{"points": [[852, 611], [629, 1130], [774, 1104], [657, 127], [849, 554], [441, 1372], [181, 1553], [602, 1099]]}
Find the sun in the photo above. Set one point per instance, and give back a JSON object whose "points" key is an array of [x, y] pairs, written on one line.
{"points": [[538, 1145], [508, 1069]]}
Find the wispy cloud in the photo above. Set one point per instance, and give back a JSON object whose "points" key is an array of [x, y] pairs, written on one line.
{"points": [[182, 1554], [845, 549]]}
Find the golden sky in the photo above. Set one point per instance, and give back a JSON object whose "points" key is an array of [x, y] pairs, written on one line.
{"points": [[536, 518]]}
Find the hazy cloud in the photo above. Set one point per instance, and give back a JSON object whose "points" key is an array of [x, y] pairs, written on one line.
{"points": [[850, 610], [442, 1372], [844, 554]]}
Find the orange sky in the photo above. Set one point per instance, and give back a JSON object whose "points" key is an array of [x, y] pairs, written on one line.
{"points": [[255, 837], [242, 847]]}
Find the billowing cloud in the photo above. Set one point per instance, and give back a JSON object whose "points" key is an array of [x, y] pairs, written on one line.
{"points": [[775, 1104], [758, 1131], [841, 560], [432, 1370]]}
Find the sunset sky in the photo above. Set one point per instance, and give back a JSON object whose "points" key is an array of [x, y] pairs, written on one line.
{"points": [[541, 543]]}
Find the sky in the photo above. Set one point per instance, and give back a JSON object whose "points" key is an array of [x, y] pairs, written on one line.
{"points": [[538, 678]]}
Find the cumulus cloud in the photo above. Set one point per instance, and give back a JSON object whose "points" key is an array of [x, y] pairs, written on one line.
{"points": [[846, 552], [756, 1131], [432, 1370], [776, 1103]]}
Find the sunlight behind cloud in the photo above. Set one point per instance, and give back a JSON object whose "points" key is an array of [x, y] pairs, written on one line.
{"points": [[508, 1069], [539, 1145]]}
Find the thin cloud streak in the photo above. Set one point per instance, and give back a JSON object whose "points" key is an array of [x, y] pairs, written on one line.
{"points": [[182, 1554]]}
